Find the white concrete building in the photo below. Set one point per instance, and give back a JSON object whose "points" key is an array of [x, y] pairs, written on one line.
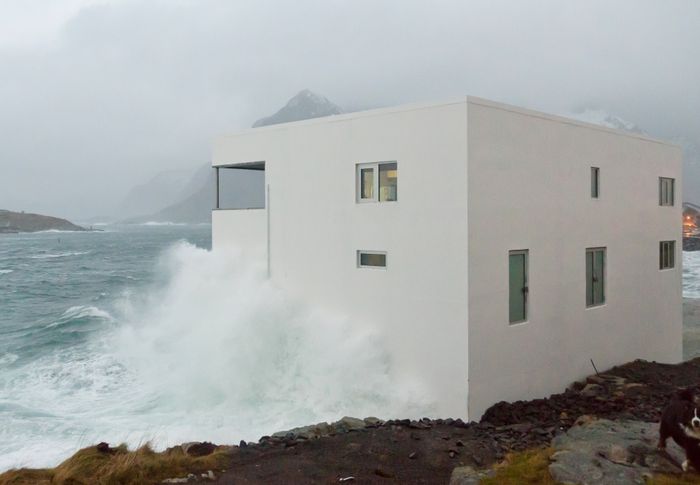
{"points": [[497, 249]]}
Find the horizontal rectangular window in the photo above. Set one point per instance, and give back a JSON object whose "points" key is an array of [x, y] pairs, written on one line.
{"points": [[667, 254], [377, 182], [666, 191], [371, 259]]}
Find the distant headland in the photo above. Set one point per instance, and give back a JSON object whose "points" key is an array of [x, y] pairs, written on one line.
{"points": [[14, 222]]}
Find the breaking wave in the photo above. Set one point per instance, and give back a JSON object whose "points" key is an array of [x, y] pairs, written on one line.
{"points": [[58, 255], [211, 351]]}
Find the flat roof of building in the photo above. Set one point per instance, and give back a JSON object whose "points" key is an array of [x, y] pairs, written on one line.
{"points": [[461, 100]]}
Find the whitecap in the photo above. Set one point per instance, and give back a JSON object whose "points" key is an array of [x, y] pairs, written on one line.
{"points": [[6, 271], [80, 311], [8, 358], [59, 255], [162, 223], [49, 231]]}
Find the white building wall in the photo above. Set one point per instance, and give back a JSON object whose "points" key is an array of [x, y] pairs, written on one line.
{"points": [[529, 188], [418, 305], [240, 229]]}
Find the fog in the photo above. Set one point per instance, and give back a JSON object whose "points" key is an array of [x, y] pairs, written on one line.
{"points": [[98, 96]]}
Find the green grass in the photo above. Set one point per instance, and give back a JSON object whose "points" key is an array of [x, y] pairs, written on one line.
{"points": [[121, 467]]}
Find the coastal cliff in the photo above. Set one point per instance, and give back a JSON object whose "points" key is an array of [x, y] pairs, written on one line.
{"points": [[12, 222]]}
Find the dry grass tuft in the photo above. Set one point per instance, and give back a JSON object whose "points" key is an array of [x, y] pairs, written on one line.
{"points": [[530, 466], [685, 479], [119, 467]]}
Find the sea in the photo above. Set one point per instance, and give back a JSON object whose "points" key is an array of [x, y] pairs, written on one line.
{"points": [[140, 333]]}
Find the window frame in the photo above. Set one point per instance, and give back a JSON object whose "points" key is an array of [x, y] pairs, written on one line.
{"points": [[374, 166], [375, 182], [666, 198], [595, 182], [526, 284], [593, 303], [667, 255], [358, 259]]}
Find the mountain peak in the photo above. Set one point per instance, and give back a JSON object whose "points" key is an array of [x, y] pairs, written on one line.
{"points": [[303, 106]]}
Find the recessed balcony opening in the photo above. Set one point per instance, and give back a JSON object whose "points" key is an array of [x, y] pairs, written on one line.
{"points": [[240, 186]]}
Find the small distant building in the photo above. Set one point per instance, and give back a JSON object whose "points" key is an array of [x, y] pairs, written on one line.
{"points": [[497, 250]]}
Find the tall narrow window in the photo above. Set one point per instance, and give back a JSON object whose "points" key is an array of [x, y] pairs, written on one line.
{"points": [[377, 182], [595, 276], [595, 182], [666, 189], [388, 178], [667, 254], [367, 183], [518, 289]]}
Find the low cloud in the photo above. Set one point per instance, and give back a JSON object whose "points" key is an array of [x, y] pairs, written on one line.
{"points": [[124, 89]]}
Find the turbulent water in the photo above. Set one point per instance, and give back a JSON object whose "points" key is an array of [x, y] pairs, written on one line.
{"points": [[141, 333], [691, 274]]}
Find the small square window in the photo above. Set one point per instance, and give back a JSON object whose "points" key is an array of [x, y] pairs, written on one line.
{"points": [[667, 254], [377, 182], [371, 259], [666, 191]]}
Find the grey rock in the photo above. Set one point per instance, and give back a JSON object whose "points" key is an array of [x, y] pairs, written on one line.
{"points": [[349, 424], [466, 475], [373, 422], [611, 453], [305, 432], [592, 390]]}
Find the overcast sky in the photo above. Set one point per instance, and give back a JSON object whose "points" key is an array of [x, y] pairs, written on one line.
{"points": [[96, 96]]}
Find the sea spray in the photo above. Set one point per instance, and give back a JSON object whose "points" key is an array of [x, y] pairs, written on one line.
{"points": [[210, 350], [218, 338]]}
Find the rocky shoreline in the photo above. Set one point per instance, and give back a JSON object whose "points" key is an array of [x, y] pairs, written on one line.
{"points": [[607, 421]]}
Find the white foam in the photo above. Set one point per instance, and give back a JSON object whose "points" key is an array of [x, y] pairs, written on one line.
{"points": [[6, 271], [77, 312], [59, 255], [162, 223], [214, 353], [8, 358], [50, 231]]}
